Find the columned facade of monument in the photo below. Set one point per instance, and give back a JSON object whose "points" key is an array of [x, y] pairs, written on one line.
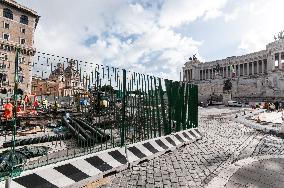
{"points": [[255, 76]]}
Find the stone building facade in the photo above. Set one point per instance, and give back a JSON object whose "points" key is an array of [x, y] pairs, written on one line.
{"points": [[61, 82], [17, 26], [256, 76]]}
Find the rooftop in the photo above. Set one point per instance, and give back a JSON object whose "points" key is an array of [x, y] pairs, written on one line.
{"points": [[19, 6]]}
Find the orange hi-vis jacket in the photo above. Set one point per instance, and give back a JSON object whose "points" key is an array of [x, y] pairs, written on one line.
{"points": [[8, 111]]}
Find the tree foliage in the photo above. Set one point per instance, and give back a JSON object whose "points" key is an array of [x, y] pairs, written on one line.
{"points": [[227, 85]]}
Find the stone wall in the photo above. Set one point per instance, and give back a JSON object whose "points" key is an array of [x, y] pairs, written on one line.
{"points": [[257, 87]]}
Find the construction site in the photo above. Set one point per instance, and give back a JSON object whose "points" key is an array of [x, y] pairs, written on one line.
{"points": [[106, 107]]}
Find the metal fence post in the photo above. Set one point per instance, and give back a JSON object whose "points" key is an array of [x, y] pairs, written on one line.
{"points": [[163, 109], [195, 105], [123, 108], [169, 85]]}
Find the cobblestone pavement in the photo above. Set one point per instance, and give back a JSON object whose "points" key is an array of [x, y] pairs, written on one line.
{"points": [[224, 142], [267, 173]]}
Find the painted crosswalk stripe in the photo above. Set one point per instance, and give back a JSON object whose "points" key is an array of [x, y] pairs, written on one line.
{"points": [[98, 163], [71, 172], [118, 156], [150, 147], [161, 144], [34, 181]]}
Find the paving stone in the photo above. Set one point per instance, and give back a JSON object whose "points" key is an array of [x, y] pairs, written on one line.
{"points": [[149, 185], [174, 180], [223, 142], [159, 184]]}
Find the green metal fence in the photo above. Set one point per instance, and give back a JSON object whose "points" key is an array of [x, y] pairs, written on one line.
{"points": [[94, 107]]}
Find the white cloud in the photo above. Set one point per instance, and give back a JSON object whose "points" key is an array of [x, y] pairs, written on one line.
{"points": [[231, 16], [254, 41], [127, 33], [175, 13], [212, 14], [263, 20], [142, 35]]}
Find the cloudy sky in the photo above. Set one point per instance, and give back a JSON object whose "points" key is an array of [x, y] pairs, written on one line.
{"points": [[154, 36]]}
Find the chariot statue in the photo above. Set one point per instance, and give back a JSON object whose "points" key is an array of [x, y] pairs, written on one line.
{"points": [[279, 36], [193, 58]]}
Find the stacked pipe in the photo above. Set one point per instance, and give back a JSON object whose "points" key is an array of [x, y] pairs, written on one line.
{"points": [[37, 140], [72, 129], [79, 128], [84, 131], [100, 136]]}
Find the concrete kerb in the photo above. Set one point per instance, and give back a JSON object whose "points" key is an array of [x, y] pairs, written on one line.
{"points": [[149, 149], [79, 171], [223, 177]]}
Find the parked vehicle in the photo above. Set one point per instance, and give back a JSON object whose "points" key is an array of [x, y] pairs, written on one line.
{"points": [[235, 104]]}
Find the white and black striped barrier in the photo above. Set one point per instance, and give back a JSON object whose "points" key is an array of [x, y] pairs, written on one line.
{"points": [[79, 171]]}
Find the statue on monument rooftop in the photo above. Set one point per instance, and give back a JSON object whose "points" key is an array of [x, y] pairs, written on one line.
{"points": [[279, 36], [194, 58]]}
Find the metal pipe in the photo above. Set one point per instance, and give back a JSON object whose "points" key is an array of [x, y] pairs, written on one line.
{"points": [[77, 133]]}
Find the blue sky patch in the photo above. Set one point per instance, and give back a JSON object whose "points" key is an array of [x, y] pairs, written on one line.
{"points": [[91, 40]]}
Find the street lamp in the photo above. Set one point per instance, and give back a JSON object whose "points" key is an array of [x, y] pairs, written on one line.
{"points": [[13, 158]]}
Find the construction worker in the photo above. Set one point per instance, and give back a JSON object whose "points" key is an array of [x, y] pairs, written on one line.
{"points": [[19, 108], [23, 104], [56, 106], [36, 104], [8, 110], [44, 104], [27, 101]]}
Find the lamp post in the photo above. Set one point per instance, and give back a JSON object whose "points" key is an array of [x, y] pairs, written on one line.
{"points": [[13, 157]]}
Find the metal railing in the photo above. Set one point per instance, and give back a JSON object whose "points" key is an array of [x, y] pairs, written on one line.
{"points": [[96, 107]]}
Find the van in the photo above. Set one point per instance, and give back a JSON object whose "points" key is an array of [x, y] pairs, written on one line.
{"points": [[234, 104]]}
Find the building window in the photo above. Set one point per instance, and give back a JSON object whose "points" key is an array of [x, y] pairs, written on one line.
{"points": [[6, 25], [22, 41], [23, 30], [24, 19], [6, 36], [7, 13], [21, 59], [3, 66], [3, 77], [3, 57], [21, 78]]}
